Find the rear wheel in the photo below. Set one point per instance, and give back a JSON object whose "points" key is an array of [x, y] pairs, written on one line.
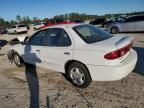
{"points": [[114, 30], [78, 75], [18, 60]]}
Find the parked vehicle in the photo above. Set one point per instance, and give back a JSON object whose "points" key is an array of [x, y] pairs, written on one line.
{"points": [[37, 26], [77, 21], [55, 22], [113, 20], [20, 28], [99, 22], [131, 24], [82, 52], [3, 30]]}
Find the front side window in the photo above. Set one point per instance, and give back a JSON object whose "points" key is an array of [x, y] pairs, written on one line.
{"points": [[57, 37], [91, 34], [38, 38], [129, 20]]}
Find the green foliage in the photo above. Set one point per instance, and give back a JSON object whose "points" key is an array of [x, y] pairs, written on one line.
{"points": [[71, 16], [2, 22], [75, 16]]}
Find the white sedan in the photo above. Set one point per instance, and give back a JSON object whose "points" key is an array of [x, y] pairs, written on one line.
{"points": [[83, 52], [17, 29]]}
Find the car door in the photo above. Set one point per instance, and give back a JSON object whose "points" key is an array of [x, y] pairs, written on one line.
{"points": [[128, 25], [32, 50], [139, 23], [58, 49]]}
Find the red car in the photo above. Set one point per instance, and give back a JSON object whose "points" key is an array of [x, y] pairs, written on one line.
{"points": [[55, 22]]}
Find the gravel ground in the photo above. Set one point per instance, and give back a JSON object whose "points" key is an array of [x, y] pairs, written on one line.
{"points": [[42, 88]]}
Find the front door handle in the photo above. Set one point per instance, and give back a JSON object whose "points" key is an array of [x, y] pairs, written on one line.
{"points": [[38, 50], [67, 53]]}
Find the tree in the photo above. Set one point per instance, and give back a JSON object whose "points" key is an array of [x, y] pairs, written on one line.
{"points": [[26, 20], [18, 18], [12, 22], [2, 22], [35, 19]]}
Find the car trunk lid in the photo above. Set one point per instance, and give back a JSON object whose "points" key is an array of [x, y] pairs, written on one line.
{"points": [[116, 47]]}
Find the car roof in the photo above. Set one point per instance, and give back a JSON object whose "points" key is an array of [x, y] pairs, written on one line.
{"points": [[64, 26]]}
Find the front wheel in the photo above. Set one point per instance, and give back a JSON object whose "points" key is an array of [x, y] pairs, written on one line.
{"points": [[17, 59], [114, 30], [79, 75]]}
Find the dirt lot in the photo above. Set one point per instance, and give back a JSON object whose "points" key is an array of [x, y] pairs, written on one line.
{"points": [[41, 88]]}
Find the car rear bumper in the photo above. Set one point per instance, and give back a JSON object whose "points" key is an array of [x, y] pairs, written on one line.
{"points": [[111, 73]]}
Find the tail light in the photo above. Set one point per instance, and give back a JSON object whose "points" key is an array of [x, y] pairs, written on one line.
{"points": [[118, 53]]}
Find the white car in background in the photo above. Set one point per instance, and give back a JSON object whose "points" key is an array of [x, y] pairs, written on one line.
{"points": [[82, 51], [20, 28], [37, 26], [131, 24]]}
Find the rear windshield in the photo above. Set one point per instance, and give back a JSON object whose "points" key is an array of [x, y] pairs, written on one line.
{"points": [[13, 27], [21, 25], [91, 34]]}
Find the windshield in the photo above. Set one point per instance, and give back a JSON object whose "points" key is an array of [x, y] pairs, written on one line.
{"points": [[91, 34], [13, 27]]}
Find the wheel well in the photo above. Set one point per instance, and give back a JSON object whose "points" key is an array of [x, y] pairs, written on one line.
{"points": [[72, 61], [15, 52]]}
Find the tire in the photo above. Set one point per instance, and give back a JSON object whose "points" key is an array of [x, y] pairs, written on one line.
{"points": [[18, 60], [78, 75], [15, 33], [8, 33], [114, 30]]}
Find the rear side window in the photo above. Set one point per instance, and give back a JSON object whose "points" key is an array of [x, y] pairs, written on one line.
{"points": [[57, 37], [21, 26], [91, 34]]}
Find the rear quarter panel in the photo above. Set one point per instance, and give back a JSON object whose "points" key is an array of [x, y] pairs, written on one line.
{"points": [[89, 57]]}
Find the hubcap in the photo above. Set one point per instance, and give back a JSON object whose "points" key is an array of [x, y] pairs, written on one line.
{"points": [[114, 30], [77, 76], [17, 59]]}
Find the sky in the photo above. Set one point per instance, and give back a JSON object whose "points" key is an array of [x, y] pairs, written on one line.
{"points": [[9, 9]]}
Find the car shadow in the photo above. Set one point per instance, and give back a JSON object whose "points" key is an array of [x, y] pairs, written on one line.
{"points": [[140, 63], [88, 103], [32, 78]]}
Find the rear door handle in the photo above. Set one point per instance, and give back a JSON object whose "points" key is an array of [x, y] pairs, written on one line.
{"points": [[38, 50], [67, 53]]}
